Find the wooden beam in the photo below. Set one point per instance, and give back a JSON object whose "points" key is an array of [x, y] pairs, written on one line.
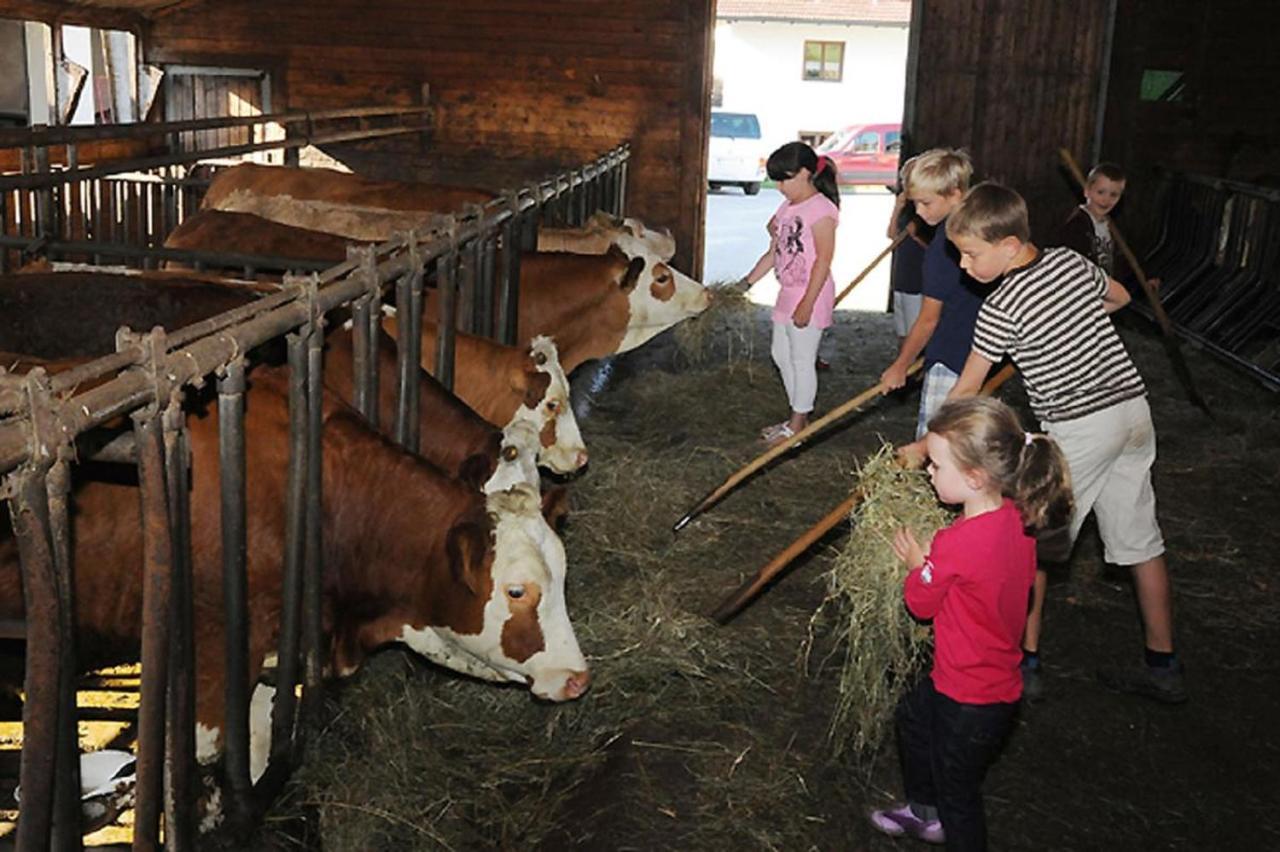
{"points": [[54, 12]]}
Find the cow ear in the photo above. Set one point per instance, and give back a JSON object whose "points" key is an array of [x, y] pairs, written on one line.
{"points": [[555, 506], [475, 471], [632, 275], [465, 546], [535, 384]]}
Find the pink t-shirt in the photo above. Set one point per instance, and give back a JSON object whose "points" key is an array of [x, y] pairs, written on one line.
{"points": [[794, 254]]}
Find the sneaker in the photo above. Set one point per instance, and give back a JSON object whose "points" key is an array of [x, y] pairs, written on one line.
{"points": [[1033, 688], [1162, 684], [900, 821]]}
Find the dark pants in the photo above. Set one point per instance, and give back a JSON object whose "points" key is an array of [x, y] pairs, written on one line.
{"points": [[945, 748]]}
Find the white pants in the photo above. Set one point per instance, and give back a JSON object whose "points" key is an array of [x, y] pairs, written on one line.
{"points": [[794, 351]]}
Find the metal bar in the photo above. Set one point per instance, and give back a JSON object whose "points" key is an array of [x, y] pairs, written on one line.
{"points": [[411, 430], [361, 400], [446, 284], [285, 709], [61, 135], [157, 559], [33, 181], [313, 559], [180, 717], [407, 361], [66, 801], [509, 281], [468, 279], [29, 511], [231, 478]]}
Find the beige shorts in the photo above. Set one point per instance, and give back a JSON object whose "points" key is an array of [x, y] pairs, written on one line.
{"points": [[1110, 453]]}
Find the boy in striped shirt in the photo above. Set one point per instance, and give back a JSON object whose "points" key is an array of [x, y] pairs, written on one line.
{"points": [[1050, 314]]}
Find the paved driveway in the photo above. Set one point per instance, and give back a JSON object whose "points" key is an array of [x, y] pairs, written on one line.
{"points": [[736, 238]]}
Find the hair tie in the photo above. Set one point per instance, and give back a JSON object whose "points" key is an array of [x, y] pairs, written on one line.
{"points": [[1027, 438], [823, 162]]}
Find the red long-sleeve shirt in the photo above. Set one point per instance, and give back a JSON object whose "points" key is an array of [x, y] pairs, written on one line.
{"points": [[975, 584]]}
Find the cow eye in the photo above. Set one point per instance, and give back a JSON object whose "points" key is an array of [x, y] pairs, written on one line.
{"points": [[515, 592], [552, 406], [510, 453]]}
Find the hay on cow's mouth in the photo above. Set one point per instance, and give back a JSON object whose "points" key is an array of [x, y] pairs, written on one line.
{"points": [[725, 327], [883, 646]]}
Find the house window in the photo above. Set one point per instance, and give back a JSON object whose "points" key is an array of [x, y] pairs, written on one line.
{"points": [[824, 60]]}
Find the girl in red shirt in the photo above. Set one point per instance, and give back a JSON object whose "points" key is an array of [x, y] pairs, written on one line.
{"points": [[974, 584]]}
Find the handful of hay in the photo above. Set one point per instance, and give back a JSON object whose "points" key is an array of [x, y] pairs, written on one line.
{"points": [[729, 320], [884, 646]]}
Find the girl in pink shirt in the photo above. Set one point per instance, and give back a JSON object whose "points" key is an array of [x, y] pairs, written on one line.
{"points": [[974, 583], [802, 242]]}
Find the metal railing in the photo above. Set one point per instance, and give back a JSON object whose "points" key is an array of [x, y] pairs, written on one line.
{"points": [[473, 257], [1218, 258]]}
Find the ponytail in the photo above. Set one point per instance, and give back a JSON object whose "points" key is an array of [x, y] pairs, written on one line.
{"points": [[787, 161], [1042, 485], [985, 434]]}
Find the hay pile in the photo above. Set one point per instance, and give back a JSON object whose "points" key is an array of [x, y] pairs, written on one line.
{"points": [[723, 330], [883, 645]]}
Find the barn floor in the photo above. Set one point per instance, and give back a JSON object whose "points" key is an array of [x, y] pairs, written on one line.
{"points": [[703, 737]]}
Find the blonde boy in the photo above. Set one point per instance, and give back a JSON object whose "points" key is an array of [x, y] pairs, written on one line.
{"points": [[943, 330], [1050, 313]]}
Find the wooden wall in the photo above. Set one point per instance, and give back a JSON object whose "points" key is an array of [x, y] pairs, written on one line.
{"points": [[1228, 122], [1011, 81], [521, 87]]}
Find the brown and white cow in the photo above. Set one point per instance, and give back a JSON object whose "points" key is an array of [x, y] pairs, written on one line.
{"points": [[473, 582], [602, 230], [76, 315], [333, 201], [592, 305], [509, 384]]}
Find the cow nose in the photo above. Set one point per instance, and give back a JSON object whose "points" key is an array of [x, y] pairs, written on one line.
{"points": [[581, 459], [576, 684]]}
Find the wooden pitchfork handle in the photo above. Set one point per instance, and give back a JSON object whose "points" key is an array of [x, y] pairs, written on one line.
{"points": [[888, 250], [764, 458], [734, 603]]}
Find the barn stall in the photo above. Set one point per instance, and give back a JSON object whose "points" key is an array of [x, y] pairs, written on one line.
{"points": [[679, 747]]}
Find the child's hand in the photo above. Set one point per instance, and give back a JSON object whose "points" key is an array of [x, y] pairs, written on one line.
{"points": [[894, 376], [913, 455], [802, 314], [907, 548]]}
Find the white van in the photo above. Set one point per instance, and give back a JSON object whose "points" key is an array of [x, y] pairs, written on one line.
{"points": [[736, 155]]}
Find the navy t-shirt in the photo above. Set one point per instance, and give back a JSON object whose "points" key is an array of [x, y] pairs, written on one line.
{"points": [[908, 257], [961, 297]]}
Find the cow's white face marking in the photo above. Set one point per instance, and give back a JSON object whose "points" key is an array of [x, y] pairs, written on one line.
{"points": [[661, 298], [518, 458], [208, 743], [568, 453], [529, 560], [260, 730]]}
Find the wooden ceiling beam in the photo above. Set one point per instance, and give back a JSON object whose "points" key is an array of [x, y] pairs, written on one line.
{"points": [[55, 12]]}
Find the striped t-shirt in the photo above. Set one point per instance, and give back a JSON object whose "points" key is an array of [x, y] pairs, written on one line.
{"points": [[1049, 317]]}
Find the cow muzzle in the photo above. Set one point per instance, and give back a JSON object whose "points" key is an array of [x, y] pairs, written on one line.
{"points": [[567, 685]]}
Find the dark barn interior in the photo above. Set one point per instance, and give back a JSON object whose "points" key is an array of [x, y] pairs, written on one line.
{"points": [[1181, 93]]}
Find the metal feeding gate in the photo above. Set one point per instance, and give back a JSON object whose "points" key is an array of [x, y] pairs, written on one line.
{"points": [[48, 423], [1218, 257]]}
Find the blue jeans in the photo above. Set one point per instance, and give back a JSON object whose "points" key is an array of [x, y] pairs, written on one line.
{"points": [[945, 748]]}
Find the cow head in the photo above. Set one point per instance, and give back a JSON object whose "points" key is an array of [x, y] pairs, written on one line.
{"points": [[659, 297], [517, 458], [562, 449], [512, 569], [633, 236]]}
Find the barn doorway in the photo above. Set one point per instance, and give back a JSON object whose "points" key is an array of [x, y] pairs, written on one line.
{"points": [[824, 75]]}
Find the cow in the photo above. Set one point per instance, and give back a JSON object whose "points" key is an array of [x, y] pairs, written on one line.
{"points": [[602, 230], [472, 582], [480, 365], [333, 201], [599, 305], [76, 315]]}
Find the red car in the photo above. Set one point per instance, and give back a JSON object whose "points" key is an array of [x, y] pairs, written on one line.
{"points": [[865, 153]]}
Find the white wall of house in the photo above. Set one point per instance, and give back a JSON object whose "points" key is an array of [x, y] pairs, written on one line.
{"points": [[760, 63]]}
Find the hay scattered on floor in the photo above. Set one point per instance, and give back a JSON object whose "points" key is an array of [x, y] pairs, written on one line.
{"points": [[883, 646], [723, 330]]}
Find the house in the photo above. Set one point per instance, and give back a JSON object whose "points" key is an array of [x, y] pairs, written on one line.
{"points": [[810, 67]]}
